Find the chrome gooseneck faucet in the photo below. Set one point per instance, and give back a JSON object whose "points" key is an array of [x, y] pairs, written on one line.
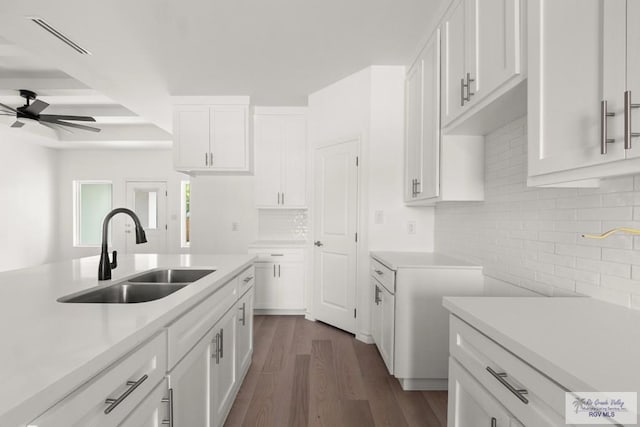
{"points": [[105, 267]]}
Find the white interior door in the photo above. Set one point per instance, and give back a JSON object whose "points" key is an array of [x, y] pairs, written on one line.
{"points": [[335, 224], [149, 201]]}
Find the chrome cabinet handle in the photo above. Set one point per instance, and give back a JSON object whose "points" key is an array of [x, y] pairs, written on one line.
{"points": [[417, 187], [377, 297], [274, 270], [248, 279], [169, 400], [277, 254], [494, 422], [462, 97], [379, 272], [603, 127], [244, 313], [283, 198], [469, 81], [318, 243], [278, 197], [221, 343], [206, 159], [113, 403], [628, 134], [210, 158], [278, 270], [500, 376], [216, 353]]}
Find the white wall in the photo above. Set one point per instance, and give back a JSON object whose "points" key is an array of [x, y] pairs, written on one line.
{"points": [[531, 237], [216, 203], [27, 201], [369, 105], [117, 166]]}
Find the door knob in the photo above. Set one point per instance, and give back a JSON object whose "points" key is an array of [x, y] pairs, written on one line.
{"points": [[318, 243]]}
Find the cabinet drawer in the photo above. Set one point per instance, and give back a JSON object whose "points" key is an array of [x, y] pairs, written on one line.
{"points": [[129, 380], [185, 332], [246, 279], [384, 274], [278, 255], [544, 401]]}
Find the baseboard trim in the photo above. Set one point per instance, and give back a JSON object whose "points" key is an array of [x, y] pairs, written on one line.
{"points": [[279, 312], [365, 338], [309, 317], [423, 384]]}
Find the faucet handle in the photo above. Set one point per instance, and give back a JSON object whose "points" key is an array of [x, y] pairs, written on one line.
{"points": [[114, 258]]}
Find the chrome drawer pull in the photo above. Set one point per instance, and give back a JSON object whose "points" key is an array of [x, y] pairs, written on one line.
{"points": [[380, 273], [500, 376], [113, 403], [248, 279]]}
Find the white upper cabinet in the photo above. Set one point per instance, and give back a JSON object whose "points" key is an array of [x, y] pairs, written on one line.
{"points": [[280, 157], [482, 59], [211, 138], [577, 112], [437, 168]]}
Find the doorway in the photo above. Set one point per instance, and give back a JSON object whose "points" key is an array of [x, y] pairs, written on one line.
{"points": [[335, 232], [148, 199]]}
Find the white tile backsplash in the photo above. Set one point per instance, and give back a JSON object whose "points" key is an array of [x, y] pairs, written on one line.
{"points": [[282, 224], [532, 237]]}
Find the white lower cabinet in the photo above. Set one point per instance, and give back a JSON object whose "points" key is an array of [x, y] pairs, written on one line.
{"points": [[280, 280], [223, 369], [383, 317], [471, 405], [484, 372], [244, 337], [110, 397], [187, 375]]}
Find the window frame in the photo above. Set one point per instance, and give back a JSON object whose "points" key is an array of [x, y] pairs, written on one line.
{"points": [[183, 213], [77, 215]]}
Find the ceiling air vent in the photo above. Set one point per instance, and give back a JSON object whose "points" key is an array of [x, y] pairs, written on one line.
{"points": [[57, 34]]}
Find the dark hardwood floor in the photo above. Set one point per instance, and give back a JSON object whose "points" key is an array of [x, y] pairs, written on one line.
{"points": [[311, 374]]}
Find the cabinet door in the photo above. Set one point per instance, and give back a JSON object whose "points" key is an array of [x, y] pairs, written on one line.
{"points": [[376, 312], [266, 286], [633, 69], [565, 90], [189, 381], [413, 129], [268, 160], [245, 333], [429, 181], [470, 404], [229, 139], [291, 285], [223, 367], [386, 346], [453, 62], [153, 411], [191, 137], [493, 44], [294, 160]]}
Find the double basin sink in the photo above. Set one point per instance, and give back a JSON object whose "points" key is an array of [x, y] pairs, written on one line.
{"points": [[149, 286]]}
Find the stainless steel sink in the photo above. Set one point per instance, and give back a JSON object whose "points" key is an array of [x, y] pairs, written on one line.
{"points": [[145, 287], [170, 276], [125, 293]]}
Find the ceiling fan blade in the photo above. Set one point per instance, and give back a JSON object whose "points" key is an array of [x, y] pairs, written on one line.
{"points": [[55, 128], [17, 124], [54, 117], [77, 126], [36, 107], [8, 108]]}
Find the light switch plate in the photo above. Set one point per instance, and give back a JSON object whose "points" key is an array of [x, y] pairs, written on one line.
{"points": [[411, 227]]}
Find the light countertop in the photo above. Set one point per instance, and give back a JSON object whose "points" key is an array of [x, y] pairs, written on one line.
{"points": [[395, 260], [582, 343], [278, 243], [50, 348]]}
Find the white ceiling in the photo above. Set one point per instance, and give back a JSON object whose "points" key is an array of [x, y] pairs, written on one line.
{"points": [[145, 51]]}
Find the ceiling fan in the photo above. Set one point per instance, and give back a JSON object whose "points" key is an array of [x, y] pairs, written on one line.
{"points": [[32, 110]]}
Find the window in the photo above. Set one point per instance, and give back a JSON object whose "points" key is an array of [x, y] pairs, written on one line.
{"points": [[185, 213], [92, 202]]}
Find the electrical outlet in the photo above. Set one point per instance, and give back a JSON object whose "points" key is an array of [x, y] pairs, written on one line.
{"points": [[411, 227], [235, 226], [378, 217]]}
